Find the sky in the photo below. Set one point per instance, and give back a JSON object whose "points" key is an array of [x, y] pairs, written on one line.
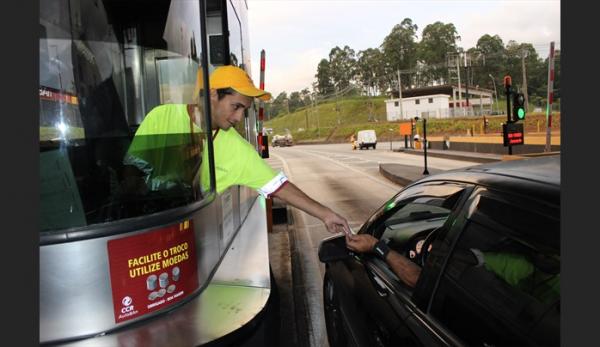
{"points": [[297, 34]]}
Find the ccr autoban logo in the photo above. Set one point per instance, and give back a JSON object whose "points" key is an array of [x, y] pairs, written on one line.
{"points": [[128, 309]]}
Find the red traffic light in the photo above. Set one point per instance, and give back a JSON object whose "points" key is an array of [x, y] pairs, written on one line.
{"points": [[507, 81]]}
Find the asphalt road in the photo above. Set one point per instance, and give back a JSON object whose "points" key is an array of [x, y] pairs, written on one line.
{"points": [[349, 182]]}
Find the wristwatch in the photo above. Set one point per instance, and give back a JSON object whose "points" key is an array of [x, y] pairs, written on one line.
{"points": [[381, 249]]}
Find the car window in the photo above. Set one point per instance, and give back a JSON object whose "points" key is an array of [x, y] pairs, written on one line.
{"points": [[419, 210], [501, 285]]}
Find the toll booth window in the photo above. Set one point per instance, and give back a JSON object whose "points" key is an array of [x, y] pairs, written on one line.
{"points": [[123, 127]]}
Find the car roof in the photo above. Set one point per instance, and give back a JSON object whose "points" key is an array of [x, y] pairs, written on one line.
{"points": [[537, 178]]}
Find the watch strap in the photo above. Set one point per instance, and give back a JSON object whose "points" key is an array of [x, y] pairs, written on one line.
{"points": [[381, 249]]}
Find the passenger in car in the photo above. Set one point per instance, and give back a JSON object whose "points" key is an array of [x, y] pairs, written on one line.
{"points": [[236, 161], [522, 273]]}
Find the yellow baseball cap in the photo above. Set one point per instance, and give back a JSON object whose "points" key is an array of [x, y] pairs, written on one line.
{"points": [[233, 77]]}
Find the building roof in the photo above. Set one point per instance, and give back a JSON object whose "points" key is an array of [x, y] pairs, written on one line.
{"points": [[441, 89], [404, 98]]}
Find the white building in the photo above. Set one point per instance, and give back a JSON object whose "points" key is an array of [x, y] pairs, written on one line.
{"points": [[430, 106], [439, 102]]}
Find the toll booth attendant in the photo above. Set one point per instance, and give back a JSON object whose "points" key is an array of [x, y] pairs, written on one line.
{"points": [[236, 161]]}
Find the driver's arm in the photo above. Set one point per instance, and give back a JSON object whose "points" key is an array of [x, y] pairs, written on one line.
{"points": [[404, 268]]}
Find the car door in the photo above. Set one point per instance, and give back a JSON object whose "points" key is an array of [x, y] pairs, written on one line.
{"points": [[500, 272], [394, 318]]}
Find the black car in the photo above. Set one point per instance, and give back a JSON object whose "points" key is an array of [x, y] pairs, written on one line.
{"points": [[487, 241]]}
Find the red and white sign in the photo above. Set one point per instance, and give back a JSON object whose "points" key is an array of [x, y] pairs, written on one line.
{"points": [[51, 94], [151, 271]]}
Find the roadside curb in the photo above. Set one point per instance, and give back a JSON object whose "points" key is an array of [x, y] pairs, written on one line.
{"points": [[476, 157], [404, 174], [396, 179]]}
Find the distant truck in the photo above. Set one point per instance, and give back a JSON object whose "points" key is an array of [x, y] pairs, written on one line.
{"points": [[365, 139]]}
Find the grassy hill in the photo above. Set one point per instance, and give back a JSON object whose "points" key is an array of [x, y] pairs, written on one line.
{"points": [[323, 124]]}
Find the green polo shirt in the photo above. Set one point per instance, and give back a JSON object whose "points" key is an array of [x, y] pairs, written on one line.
{"points": [[166, 148], [237, 163]]}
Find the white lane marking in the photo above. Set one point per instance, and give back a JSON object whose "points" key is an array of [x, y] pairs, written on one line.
{"points": [[286, 168]]}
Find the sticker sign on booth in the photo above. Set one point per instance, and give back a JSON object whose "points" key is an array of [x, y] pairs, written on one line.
{"points": [[152, 270]]}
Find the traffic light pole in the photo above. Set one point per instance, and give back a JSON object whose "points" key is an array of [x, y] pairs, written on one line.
{"points": [[507, 83]]}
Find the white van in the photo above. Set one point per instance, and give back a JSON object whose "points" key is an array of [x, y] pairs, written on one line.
{"points": [[366, 139]]}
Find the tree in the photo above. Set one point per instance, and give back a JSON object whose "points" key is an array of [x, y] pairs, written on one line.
{"points": [[400, 49], [295, 101], [513, 60], [342, 64], [305, 96], [438, 39], [278, 105], [370, 70], [536, 72], [324, 83], [494, 53]]}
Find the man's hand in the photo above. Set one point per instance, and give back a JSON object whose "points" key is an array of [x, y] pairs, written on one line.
{"points": [[360, 243], [336, 223], [297, 198]]}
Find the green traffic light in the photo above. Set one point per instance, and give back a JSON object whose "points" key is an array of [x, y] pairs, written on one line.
{"points": [[521, 113]]}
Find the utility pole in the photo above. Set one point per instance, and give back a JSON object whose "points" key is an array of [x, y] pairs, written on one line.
{"points": [[400, 95], [306, 117], [370, 99], [495, 93], [425, 144], [523, 56], [459, 93], [466, 81], [314, 102], [337, 107], [550, 97]]}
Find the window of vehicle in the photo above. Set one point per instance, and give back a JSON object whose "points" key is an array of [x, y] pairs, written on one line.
{"points": [[414, 213], [501, 285], [104, 68]]}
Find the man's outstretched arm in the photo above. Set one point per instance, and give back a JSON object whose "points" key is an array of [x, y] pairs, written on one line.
{"points": [[403, 267], [292, 195]]}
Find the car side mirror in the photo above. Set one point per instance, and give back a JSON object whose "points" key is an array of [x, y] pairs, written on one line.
{"points": [[333, 248]]}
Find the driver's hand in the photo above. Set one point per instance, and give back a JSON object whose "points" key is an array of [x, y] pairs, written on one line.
{"points": [[360, 243]]}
